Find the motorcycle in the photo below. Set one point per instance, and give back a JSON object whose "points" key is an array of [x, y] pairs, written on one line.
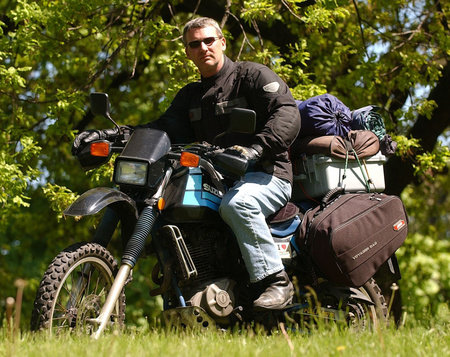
{"points": [[172, 193]]}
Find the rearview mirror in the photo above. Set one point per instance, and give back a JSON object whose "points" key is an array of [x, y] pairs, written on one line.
{"points": [[100, 104], [242, 121]]}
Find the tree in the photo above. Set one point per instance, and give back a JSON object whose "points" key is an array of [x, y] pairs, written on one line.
{"points": [[393, 54]]}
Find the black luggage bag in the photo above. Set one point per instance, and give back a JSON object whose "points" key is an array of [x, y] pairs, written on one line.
{"points": [[351, 236]]}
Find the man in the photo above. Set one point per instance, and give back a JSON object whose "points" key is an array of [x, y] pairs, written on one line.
{"points": [[200, 111]]}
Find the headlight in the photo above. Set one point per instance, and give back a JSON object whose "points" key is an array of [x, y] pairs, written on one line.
{"points": [[131, 173]]}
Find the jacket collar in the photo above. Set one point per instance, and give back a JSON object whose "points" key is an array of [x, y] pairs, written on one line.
{"points": [[227, 66]]}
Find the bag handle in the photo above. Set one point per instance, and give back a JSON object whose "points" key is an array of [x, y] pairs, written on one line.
{"points": [[331, 195]]}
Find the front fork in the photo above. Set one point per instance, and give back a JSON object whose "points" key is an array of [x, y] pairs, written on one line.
{"points": [[133, 249], [107, 309]]}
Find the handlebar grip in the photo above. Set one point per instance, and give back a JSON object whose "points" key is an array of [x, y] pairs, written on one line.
{"points": [[230, 164]]}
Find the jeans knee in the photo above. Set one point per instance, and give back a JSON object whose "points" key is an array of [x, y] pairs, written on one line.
{"points": [[227, 209], [238, 207]]}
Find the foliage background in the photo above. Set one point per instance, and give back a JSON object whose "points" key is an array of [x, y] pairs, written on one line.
{"points": [[53, 53]]}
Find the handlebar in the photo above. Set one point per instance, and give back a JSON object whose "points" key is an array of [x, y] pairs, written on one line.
{"points": [[230, 163]]}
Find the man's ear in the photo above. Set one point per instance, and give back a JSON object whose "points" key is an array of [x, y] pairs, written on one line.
{"points": [[186, 51], [224, 43]]}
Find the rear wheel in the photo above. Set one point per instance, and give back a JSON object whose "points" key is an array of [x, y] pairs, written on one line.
{"points": [[74, 289], [361, 308], [362, 314]]}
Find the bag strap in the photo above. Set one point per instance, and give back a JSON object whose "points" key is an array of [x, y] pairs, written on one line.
{"points": [[349, 147], [369, 180]]}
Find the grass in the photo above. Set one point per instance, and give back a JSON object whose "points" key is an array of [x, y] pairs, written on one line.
{"points": [[431, 339]]}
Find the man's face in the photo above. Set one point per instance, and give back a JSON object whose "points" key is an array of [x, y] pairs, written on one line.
{"points": [[207, 57]]}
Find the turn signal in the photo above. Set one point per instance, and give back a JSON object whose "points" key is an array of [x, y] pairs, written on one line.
{"points": [[189, 159], [161, 203], [100, 149]]}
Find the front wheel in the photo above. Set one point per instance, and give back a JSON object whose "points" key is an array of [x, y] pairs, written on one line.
{"points": [[74, 289]]}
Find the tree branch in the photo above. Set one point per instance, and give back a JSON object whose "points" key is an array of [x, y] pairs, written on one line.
{"points": [[361, 28]]}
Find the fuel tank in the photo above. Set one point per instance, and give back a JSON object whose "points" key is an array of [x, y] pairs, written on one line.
{"points": [[191, 197]]}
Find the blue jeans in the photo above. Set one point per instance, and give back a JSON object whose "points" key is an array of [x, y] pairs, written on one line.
{"points": [[245, 208]]}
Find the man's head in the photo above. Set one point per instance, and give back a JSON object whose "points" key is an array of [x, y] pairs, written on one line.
{"points": [[204, 45]]}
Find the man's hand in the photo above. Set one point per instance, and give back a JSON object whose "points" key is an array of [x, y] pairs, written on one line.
{"points": [[250, 153], [88, 136]]}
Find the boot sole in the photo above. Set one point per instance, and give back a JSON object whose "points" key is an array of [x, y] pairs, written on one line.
{"points": [[273, 307]]}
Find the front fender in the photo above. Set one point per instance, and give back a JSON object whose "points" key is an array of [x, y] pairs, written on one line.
{"points": [[94, 200], [359, 295]]}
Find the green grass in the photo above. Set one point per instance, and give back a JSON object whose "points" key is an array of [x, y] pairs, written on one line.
{"points": [[431, 339]]}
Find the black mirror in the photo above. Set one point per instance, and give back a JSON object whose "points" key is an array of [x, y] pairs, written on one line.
{"points": [[100, 104], [242, 121]]}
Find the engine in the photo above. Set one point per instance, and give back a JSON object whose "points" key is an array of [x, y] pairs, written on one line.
{"points": [[207, 266], [217, 299]]}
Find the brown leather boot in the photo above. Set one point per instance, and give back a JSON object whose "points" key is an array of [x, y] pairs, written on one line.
{"points": [[278, 293]]}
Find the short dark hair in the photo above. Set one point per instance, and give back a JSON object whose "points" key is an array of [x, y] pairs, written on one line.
{"points": [[199, 23]]}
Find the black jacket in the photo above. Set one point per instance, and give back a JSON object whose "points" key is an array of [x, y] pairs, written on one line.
{"points": [[200, 112]]}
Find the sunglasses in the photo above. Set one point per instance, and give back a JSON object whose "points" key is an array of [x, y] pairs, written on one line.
{"points": [[208, 41]]}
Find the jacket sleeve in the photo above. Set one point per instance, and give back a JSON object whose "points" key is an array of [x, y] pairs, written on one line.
{"points": [[175, 120], [278, 118]]}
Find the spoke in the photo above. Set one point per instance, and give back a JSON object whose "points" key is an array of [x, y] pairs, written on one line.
{"points": [[78, 286], [62, 326], [88, 284], [70, 283], [61, 322], [60, 308], [63, 318], [102, 292], [81, 295], [102, 283], [65, 287], [97, 281]]}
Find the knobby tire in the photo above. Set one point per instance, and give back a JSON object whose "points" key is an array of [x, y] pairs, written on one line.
{"points": [[74, 288]]}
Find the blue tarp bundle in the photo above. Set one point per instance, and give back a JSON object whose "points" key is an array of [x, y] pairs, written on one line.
{"points": [[324, 115]]}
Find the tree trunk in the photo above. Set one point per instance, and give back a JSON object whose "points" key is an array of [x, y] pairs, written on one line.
{"points": [[400, 172]]}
